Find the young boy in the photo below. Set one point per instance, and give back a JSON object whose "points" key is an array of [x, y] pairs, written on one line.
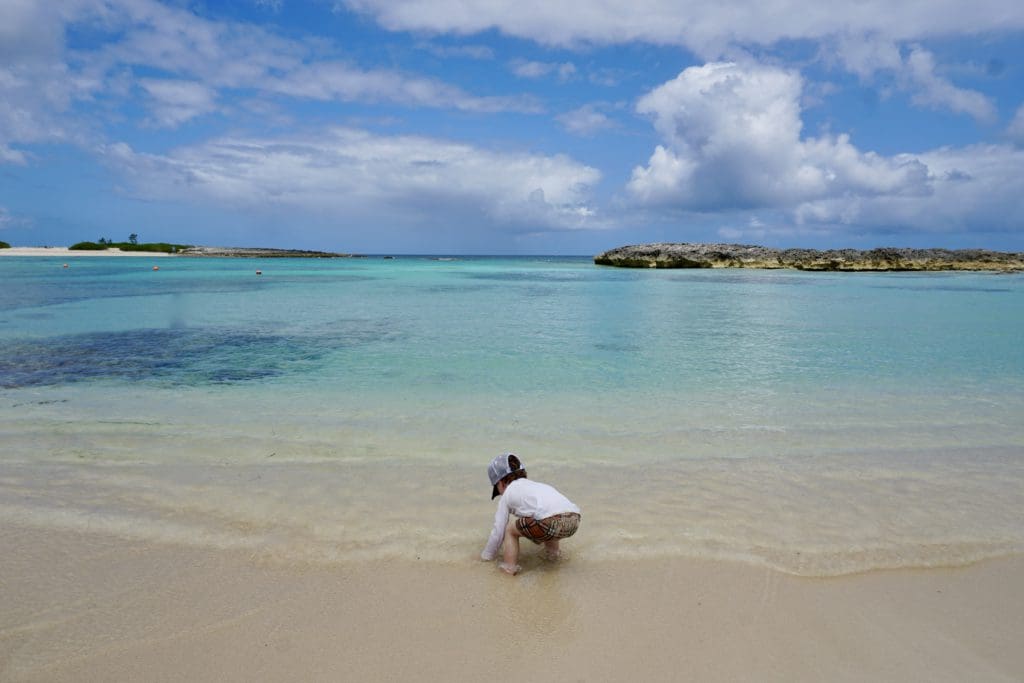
{"points": [[543, 514]]}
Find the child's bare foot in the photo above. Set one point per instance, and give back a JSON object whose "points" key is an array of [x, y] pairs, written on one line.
{"points": [[510, 569], [551, 555]]}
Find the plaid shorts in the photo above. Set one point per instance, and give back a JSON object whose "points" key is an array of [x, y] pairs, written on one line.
{"points": [[549, 528]]}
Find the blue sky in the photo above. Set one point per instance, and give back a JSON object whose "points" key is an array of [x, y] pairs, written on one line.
{"points": [[436, 126]]}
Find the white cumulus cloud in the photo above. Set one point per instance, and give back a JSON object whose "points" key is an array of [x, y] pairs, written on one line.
{"points": [[732, 139], [978, 188]]}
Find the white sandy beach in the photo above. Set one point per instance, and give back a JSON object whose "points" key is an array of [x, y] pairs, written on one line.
{"points": [[68, 253], [98, 608]]}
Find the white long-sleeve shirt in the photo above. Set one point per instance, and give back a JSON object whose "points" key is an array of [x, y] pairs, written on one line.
{"points": [[525, 498]]}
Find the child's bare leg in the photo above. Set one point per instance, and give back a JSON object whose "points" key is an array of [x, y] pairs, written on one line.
{"points": [[551, 551], [510, 550]]}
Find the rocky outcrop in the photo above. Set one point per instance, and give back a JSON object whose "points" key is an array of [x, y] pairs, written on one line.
{"points": [[688, 255], [258, 252]]}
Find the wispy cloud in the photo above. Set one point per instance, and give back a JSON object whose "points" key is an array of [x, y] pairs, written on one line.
{"points": [[529, 69], [586, 120], [190, 64], [341, 82], [353, 171], [480, 52], [867, 36], [706, 28], [916, 73], [931, 89], [10, 220], [174, 101], [1016, 128]]}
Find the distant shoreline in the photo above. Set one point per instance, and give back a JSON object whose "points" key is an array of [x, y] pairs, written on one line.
{"points": [[68, 253], [258, 252], [193, 252]]}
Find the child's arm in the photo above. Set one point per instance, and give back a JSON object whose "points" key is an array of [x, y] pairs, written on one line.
{"points": [[497, 533]]}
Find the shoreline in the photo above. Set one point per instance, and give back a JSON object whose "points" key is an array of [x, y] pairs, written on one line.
{"points": [[191, 252], [98, 607], [64, 252]]}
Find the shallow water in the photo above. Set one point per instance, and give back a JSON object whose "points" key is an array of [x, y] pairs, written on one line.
{"points": [[339, 410]]}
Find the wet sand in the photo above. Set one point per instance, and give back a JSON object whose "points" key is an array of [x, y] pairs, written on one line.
{"points": [[94, 607]]}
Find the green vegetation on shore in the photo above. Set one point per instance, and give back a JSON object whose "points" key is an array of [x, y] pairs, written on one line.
{"points": [[102, 245], [4, 245]]}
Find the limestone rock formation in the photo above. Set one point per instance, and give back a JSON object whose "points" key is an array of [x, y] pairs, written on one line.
{"points": [[693, 255]]}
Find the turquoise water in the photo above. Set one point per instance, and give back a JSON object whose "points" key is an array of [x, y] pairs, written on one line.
{"points": [[333, 410]]}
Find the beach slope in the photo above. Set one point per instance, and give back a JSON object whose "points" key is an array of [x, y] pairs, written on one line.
{"points": [[95, 607]]}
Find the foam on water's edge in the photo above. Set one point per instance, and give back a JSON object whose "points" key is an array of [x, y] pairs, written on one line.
{"points": [[275, 547], [826, 517]]}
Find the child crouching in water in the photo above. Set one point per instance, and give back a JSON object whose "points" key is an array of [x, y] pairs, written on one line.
{"points": [[543, 515]]}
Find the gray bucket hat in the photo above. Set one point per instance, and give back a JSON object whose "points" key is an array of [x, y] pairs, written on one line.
{"points": [[502, 466]]}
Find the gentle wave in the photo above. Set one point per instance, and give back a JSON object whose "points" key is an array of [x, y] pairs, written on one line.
{"points": [[329, 412], [823, 518]]}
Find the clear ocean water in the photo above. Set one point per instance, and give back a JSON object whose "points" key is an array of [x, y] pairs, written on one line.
{"points": [[332, 411]]}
